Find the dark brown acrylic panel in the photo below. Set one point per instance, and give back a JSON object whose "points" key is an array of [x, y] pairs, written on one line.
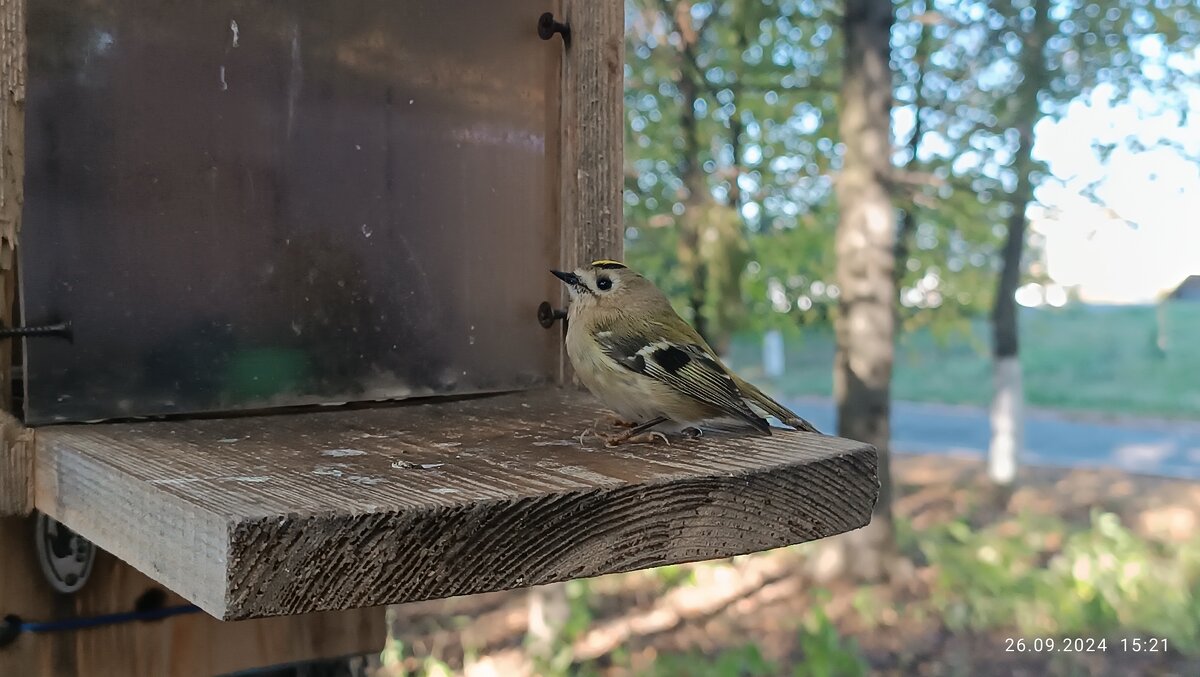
{"points": [[250, 204]]}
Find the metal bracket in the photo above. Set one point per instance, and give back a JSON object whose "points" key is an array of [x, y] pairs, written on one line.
{"points": [[66, 558]]}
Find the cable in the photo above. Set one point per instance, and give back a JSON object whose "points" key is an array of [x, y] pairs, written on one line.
{"points": [[14, 625]]}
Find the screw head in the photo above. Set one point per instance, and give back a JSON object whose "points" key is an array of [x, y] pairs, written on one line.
{"points": [[546, 26], [545, 314]]}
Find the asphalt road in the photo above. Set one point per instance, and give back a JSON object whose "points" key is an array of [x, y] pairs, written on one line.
{"points": [[1147, 446]]}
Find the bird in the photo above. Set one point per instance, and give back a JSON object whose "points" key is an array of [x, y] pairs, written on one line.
{"points": [[637, 356]]}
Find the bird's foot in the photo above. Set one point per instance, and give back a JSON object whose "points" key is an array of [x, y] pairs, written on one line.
{"points": [[643, 438], [692, 432], [636, 433]]}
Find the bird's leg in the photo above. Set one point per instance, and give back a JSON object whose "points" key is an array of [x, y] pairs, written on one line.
{"points": [[636, 431], [613, 420], [619, 422]]}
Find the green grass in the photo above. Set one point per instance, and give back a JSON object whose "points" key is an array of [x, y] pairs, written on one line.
{"points": [[1079, 358], [1047, 578]]}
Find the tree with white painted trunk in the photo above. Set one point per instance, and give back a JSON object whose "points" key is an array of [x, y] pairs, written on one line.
{"points": [[1056, 53], [1008, 400]]}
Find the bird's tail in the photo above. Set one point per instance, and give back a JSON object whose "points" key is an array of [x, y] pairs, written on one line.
{"points": [[759, 400]]}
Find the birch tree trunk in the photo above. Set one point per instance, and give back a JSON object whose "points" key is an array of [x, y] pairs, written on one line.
{"points": [[1008, 400]]}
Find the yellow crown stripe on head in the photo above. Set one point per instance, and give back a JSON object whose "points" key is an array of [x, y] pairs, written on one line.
{"points": [[607, 263]]}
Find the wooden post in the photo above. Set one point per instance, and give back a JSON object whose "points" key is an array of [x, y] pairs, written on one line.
{"points": [[12, 173], [16, 467], [16, 461], [590, 140], [592, 132]]}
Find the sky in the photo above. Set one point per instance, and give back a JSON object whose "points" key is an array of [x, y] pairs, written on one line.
{"points": [[1145, 239]]}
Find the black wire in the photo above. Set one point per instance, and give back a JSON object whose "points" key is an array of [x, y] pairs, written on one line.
{"points": [[14, 625]]}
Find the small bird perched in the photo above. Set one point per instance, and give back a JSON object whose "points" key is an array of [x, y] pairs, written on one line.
{"points": [[637, 356]]}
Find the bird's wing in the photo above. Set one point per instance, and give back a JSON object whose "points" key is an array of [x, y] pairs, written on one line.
{"points": [[688, 368], [762, 404]]}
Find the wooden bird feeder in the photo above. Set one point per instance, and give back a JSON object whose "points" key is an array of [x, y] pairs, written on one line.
{"points": [[278, 343]]}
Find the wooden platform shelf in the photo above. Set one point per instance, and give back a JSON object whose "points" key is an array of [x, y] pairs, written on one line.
{"points": [[285, 514]]}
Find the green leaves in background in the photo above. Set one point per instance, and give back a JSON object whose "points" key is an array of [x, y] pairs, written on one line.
{"points": [[765, 75]]}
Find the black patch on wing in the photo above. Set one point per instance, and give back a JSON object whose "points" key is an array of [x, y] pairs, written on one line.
{"points": [[623, 350], [671, 358]]}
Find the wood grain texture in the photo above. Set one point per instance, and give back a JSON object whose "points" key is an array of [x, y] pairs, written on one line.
{"points": [[592, 132], [590, 142], [16, 467], [195, 645], [285, 514], [12, 175]]}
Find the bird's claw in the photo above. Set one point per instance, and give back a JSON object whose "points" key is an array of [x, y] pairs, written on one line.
{"points": [[653, 435], [584, 434]]}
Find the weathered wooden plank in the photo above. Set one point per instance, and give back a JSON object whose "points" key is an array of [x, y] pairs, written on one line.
{"points": [[12, 175], [592, 131], [589, 145], [16, 467], [590, 142], [284, 514], [16, 460], [194, 645]]}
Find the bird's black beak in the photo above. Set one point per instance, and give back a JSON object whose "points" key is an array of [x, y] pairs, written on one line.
{"points": [[570, 278]]}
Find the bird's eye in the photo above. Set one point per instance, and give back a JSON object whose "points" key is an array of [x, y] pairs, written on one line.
{"points": [[604, 284]]}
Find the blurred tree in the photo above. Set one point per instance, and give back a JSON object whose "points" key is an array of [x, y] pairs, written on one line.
{"points": [[971, 87], [1008, 400], [761, 144], [920, 64], [697, 197], [865, 244], [946, 246], [765, 122], [1031, 59]]}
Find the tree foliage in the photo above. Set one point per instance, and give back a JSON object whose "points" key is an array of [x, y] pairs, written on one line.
{"points": [[765, 75]]}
